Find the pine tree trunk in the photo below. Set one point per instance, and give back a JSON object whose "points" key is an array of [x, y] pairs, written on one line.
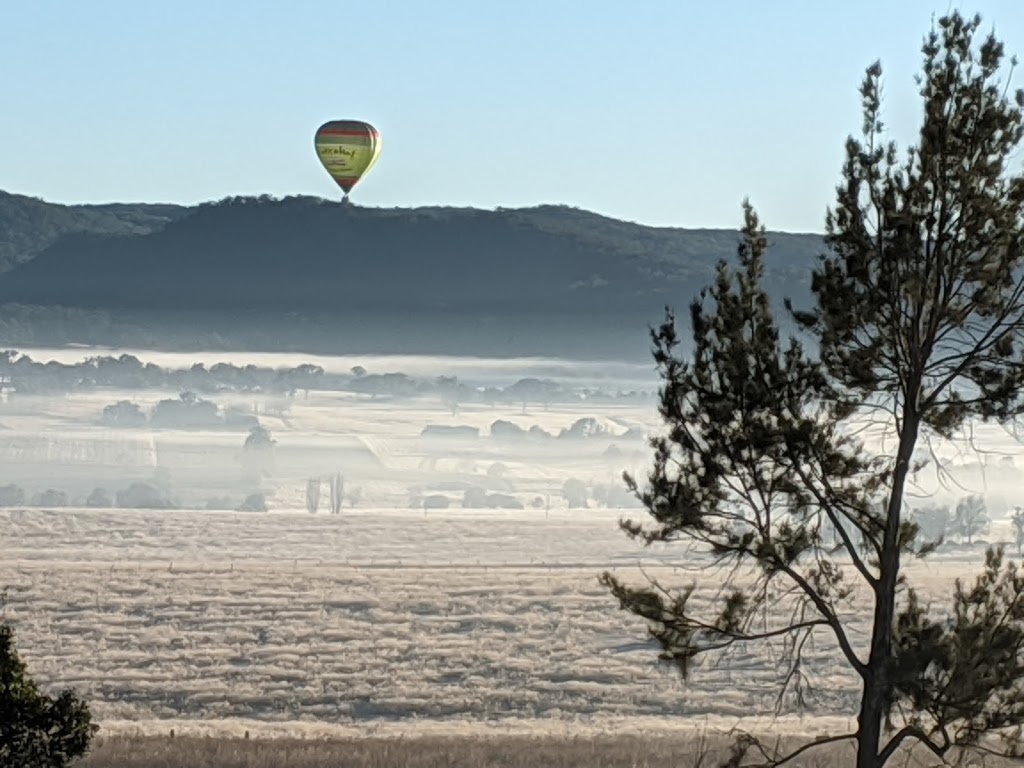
{"points": [[869, 733], [873, 700]]}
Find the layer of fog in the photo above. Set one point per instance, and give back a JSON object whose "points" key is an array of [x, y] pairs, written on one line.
{"points": [[387, 450], [457, 583], [477, 371]]}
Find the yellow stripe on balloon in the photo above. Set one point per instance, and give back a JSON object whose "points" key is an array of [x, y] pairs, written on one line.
{"points": [[347, 149]]}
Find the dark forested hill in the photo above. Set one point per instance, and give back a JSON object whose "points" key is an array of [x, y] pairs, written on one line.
{"points": [[305, 257], [305, 254], [28, 225]]}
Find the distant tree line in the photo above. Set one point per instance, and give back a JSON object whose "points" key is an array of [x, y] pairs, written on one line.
{"points": [[576, 493], [28, 376], [136, 495], [582, 429], [187, 411], [942, 522]]}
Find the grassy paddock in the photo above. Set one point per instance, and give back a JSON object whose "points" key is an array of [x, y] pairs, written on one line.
{"points": [[544, 751], [449, 751]]}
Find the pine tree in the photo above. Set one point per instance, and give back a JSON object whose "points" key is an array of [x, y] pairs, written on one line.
{"points": [[916, 323]]}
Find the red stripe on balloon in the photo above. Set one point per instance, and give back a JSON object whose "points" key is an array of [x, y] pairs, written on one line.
{"points": [[347, 133]]}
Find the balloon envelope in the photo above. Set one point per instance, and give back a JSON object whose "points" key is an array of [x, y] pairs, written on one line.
{"points": [[347, 149]]}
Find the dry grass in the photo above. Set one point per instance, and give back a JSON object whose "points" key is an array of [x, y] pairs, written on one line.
{"points": [[408, 638], [451, 751], [279, 641], [418, 752], [289, 624]]}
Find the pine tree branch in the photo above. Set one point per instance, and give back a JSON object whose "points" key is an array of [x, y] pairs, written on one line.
{"points": [[916, 732], [826, 506], [748, 742], [987, 342], [735, 636], [830, 617], [818, 742], [794, 669]]}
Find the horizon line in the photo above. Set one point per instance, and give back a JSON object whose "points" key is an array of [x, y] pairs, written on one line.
{"points": [[435, 206]]}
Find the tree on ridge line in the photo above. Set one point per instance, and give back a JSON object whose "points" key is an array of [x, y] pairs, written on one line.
{"points": [[917, 320]]}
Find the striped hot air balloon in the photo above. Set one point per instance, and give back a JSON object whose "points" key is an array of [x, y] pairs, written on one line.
{"points": [[347, 149]]}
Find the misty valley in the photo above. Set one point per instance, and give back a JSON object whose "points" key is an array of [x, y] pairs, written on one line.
{"points": [[115, 432], [268, 541], [333, 435]]}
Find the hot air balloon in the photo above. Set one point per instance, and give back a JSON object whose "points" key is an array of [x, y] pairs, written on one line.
{"points": [[347, 149]]}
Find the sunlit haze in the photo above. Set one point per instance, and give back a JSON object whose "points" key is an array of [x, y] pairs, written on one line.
{"points": [[518, 452], [665, 113]]}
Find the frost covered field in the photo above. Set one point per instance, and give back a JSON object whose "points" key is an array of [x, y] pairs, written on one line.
{"points": [[379, 618], [384, 619], [454, 616]]}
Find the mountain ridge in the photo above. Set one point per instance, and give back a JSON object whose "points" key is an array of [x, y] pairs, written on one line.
{"points": [[306, 257], [28, 225]]}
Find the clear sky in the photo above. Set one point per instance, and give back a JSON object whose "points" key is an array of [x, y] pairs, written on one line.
{"points": [[664, 112]]}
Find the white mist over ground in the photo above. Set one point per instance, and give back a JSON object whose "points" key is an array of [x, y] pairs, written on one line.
{"points": [[387, 616]]}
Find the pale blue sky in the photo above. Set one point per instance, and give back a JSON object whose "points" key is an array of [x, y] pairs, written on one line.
{"points": [[664, 112]]}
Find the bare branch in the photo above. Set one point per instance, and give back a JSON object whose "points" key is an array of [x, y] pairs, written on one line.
{"points": [[746, 742], [903, 734]]}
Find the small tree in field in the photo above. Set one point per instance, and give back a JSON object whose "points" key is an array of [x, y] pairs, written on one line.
{"points": [[1017, 521], [971, 517], [258, 452], [933, 522], [37, 731], [916, 326], [337, 483], [312, 495]]}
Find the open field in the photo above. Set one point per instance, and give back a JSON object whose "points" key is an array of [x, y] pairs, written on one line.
{"points": [[226, 618], [486, 617], [388, 620], [627, 748]]}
